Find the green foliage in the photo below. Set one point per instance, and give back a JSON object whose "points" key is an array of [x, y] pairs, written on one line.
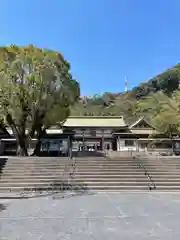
{"points": [[145, 99], [167, 82], [35, 84], [164, 111]]}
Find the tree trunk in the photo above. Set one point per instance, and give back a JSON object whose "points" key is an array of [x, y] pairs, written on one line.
{"points": [[20, 138], [21, 146], [37, 150], [21, 151], [172, 142], [173, 148]]}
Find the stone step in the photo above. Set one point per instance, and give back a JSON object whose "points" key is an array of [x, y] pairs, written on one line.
{"points": [[120, 178], [76, 178], [156, 163], [165, 183], [88, 184], [70, 166], [31, 158], [76, 175], [167, 188], [125, 165], [37, 161], [32, 168], [90, 163], [81, 169], [160, 163], [105, 161], [129, 173], [128, 169], [95, 188], [162, 167], [112, 182], [38, 168], [78, 162], [17, 173], [69, 162], [36, 165], [32, 173], [54, 176], [89, 169], [57, 172], [127, 183], [169, 179]]}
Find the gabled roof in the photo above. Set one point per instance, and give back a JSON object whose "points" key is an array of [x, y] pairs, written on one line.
{"points": [[136, 122], [95, 121], [139, 121]]}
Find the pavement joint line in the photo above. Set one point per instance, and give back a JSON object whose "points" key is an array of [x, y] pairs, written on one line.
{"points": [[122, 214], [90, 229], [58, 217], [80, 218], [138, 192]]}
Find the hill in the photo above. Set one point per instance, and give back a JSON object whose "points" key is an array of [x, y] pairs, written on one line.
{"points": [[115, 104]]}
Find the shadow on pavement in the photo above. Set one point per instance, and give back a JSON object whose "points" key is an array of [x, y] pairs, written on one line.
{"points": [[2, 207]]}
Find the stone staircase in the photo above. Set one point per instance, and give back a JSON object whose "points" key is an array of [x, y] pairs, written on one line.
{"points": [[164, 171], [88, 173], [25, 174], [104, 174]]}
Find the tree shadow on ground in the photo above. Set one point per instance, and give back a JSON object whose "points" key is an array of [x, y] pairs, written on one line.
{"points": [[2, 164], [2, 207], [69, 186], [61, 187], [69, 190]]}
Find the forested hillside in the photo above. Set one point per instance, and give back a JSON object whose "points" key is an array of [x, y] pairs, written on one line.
{"points": [[116, 104]]}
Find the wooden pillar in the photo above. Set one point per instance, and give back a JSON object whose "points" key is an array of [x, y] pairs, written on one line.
{"points": [[48, 146], [83, 140], [59, 148], [137, 145], [2, 147], [69, 147], [102, 140], [118, 143]]}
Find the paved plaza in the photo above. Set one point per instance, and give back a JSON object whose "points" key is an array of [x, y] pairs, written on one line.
{"points": [[99, 216]]}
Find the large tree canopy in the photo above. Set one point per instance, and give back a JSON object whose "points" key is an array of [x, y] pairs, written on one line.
{"points": [[163, 112], [36, 90]]}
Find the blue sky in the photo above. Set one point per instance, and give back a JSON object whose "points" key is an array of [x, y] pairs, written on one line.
{"points": [[104, 40]]}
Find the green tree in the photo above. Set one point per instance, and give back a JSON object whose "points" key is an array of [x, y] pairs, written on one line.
{"points": [[36, 90], [168, 81], [163, 111]]}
